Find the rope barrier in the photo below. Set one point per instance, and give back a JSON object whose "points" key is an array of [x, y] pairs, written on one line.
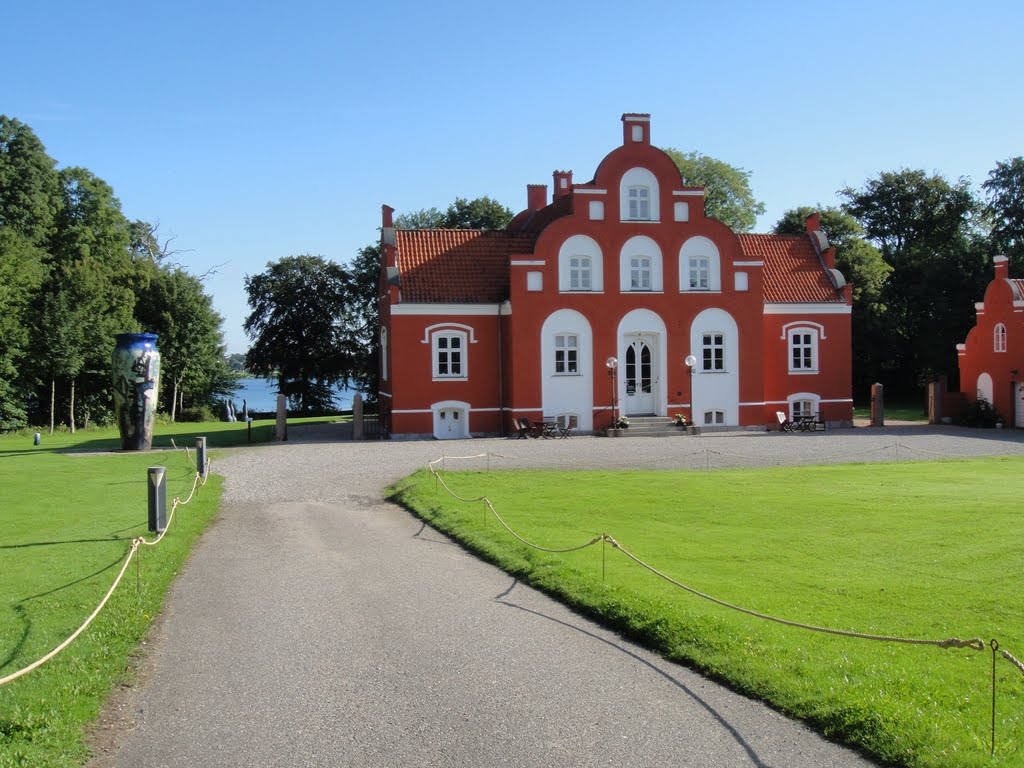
{"points": [[976, 644], [132, 552]]}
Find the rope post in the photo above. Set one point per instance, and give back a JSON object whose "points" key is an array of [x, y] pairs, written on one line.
{"points": [[157, 486], [201, 457], [604, 547], [995, 647]]}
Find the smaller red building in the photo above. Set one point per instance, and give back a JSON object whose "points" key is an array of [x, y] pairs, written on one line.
{"points": [[992, 358], [617, 296]]}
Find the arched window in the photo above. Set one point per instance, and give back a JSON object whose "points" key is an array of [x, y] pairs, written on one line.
{"points": [[999, 338], [384, 354], [580, 265], [699, 266], [638, 196], [640, 265]]}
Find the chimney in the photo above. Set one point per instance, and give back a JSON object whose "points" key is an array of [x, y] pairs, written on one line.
{"points": [[1002, 266], [636, 128], [813, 223], [563, 184], [536, 196], [386, 214]]}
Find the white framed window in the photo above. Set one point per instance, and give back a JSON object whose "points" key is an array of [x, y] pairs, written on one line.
{"points": [[449, 354], [681, 211], [803, 350], [580, 273], [596, 210], [640, 273], [638, 196], [639, 203], [999, 338], [580, 265], [804, 408], [567, 354], [714, 417], [700, 273], [713, 352], [699, 265]]}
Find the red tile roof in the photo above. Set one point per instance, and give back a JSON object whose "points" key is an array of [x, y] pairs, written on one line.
{"points": [[536, 221], [466, 266], [792, 270]]}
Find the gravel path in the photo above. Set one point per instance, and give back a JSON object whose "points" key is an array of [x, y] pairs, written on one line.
{"points": [[317, 625]]}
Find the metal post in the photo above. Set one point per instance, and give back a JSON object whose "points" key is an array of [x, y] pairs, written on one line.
{"points": [[201, 457], [157, 499]]}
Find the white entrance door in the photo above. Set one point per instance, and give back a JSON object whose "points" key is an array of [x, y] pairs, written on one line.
{"points": [[451, 424], [640, 376], [1019, 405]]}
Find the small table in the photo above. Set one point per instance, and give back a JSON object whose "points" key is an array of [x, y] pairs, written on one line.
{"points": [[547, 429]]}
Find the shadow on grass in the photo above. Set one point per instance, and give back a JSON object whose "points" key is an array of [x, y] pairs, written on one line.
{"points": [[755, 759], [19, 606]]}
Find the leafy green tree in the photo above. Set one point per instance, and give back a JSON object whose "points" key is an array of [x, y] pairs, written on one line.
{"points": [[1004, 192], [479, 213], [29, 189], [727, 194], [21, 274], [924, 227], [425, 218], [88, 296], [302, 328], [866, 271], [173, 305]]}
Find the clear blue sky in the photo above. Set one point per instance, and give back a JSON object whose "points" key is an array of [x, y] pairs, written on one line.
{"points": [[256, 130]]}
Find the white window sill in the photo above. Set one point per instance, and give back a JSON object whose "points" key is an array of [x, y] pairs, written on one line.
{"points": [[451, 378], [644, 291], [640, 221], [804, 372], [577, 290]]}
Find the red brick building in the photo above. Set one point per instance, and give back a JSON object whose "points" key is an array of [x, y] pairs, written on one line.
{"points": [[589, 305], [992, 359]]}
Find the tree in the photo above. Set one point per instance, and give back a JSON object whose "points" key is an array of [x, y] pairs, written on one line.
{"points": [[301, 326], [174, 306], [21, 274], [88, 296], [480, 213], [425, 218], [866, 271], [924, 227], [1004, 190], [29, 196], [727, 194]]}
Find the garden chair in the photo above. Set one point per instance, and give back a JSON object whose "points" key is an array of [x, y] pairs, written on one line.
{"points": [[523, 428], [785, 425]]}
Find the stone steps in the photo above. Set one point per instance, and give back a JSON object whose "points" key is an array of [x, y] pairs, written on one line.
{"points": [[653, 426]]}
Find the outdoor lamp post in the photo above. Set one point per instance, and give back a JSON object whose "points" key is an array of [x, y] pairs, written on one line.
{"points": [[613, 365], [691, 363]]}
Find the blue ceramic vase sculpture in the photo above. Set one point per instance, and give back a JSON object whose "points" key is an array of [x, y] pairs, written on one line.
{"points": [[136, 369]]}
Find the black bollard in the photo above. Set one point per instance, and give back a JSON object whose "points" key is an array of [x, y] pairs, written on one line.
{"points": [[201, 456], [157, 499]]}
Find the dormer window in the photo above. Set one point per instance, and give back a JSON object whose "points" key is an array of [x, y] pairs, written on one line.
{"points": [[640, 203]]}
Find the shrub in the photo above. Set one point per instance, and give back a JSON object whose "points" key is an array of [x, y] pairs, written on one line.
{"points": [[196, 413], [980, 413]]}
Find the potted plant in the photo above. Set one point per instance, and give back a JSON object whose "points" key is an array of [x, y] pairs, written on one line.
{"points": [[621, 423], [681, 420]]}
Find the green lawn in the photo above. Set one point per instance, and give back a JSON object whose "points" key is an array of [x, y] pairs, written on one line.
{"points": [[895, 411], [66, 524], [920, 550]]}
